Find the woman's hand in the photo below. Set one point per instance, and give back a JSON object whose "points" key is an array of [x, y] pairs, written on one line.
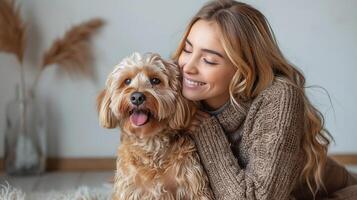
{"points": [[197, 120]]}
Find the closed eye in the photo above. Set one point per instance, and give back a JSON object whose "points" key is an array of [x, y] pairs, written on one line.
{"points": [[210, 63], [186, 51]]}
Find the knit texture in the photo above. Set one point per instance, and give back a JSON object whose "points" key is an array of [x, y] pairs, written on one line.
{"points": [[257, 154]]}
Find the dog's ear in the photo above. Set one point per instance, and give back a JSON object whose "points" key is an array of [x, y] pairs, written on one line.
{"points": [[185, 109], [106, 116]]}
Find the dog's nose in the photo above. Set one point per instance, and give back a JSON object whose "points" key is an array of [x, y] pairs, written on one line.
{"points": [[137, 98]]}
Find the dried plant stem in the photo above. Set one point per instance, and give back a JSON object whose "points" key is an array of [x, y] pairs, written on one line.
{"points": [[23, 102], [34, 85], [13, 41]]}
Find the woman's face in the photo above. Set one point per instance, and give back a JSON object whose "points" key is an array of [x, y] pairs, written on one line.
{"points": [[207, 71]]}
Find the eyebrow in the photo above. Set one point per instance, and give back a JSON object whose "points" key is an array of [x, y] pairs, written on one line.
{"points": [[207, 50]]}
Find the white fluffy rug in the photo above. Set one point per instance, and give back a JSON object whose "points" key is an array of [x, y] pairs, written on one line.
{"points": [[8, 192]]}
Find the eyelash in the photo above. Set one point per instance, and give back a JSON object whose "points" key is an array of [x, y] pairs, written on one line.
{"points": [[186, 50], [210, 63]]}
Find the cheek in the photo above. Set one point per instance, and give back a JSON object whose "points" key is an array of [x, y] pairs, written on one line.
{"points": [[212, 76], [219, 78]]}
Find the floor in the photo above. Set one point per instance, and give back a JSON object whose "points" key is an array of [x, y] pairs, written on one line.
{"points": [[58, 181], [61, 181]]}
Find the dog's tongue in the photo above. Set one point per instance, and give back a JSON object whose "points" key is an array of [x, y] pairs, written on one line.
{"points": [[138, 118]]}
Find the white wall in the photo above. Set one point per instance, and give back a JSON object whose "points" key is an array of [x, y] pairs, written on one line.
{"points": [[320, 37]]}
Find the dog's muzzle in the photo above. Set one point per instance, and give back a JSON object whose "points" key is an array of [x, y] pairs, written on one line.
{"points": [[139, 116], [137, 98]]}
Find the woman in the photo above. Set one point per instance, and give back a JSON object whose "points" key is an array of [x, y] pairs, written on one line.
{"points": [[258, 135]]}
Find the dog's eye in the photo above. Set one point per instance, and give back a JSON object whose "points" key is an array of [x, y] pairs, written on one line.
{"points": [[155, 81], [127, 81]]}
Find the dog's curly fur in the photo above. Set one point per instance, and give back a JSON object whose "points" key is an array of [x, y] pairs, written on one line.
{"points": [[155, 159]]}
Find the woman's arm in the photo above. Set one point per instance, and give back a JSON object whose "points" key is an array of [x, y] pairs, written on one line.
{"points": [[274, 160]]}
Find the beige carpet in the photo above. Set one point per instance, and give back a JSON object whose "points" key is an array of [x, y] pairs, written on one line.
{"points": [[7, 192]]}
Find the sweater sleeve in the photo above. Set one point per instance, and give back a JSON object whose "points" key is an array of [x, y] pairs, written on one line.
{"points": [[274, 156]]}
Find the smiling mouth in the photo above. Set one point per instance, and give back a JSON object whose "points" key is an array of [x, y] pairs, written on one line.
{"points": [[192, 83], [139, 117]]}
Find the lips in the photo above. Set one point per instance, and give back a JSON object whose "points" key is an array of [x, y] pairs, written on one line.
{"points": [[192, 83], [139, 117]]}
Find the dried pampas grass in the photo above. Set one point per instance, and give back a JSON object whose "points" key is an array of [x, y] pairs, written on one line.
{"points": [[12, 29], [73, 52]]}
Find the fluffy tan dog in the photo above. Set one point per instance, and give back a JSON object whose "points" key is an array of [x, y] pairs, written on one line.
{"points": [[155, 159]]}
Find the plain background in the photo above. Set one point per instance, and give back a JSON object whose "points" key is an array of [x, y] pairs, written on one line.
{"points": [[320, 37]]}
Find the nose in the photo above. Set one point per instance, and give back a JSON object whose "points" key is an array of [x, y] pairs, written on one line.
{"points": [[137, 98], [190, 66]]}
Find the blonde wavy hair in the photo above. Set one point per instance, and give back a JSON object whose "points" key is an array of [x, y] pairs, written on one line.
{"points": [[250, 45]]}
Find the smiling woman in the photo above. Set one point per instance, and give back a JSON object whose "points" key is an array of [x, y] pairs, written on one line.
{"points": [[257, 134]]}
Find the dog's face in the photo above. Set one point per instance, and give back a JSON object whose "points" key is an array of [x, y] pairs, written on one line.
{"points": [[143, 96]]}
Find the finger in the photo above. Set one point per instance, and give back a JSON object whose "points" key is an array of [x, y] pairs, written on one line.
{"points": [[195, 123]]}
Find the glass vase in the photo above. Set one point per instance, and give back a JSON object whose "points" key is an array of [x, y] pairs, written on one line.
{"points": [[25, 136]]}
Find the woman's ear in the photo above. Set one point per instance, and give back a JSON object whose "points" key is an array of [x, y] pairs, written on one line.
{"points": [[106, 116]]}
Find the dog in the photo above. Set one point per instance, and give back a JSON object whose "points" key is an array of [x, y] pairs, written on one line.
{"points": [[156, 158]]}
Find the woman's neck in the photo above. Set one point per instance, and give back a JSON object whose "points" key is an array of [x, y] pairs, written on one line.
{"points": [[216, 102], [214, 110]]}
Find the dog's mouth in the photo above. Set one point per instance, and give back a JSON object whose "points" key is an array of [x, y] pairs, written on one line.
{"points": [[139, 117]]}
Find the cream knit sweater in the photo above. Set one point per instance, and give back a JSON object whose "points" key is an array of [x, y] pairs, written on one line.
{"points": [[257, 154]]}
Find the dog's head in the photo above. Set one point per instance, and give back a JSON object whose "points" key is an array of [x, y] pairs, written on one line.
{"points": [[143, 96]]}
